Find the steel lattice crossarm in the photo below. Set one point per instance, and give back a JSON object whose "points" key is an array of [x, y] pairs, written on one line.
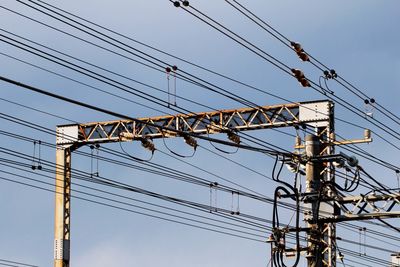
{"points": [[315, 114], [366, 207]]}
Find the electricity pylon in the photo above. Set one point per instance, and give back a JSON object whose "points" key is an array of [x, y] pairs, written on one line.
{"points": [[318, 115]]}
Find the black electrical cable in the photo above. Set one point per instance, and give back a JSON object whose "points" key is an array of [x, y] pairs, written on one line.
{"points": [[342, 102], [121, 45], [87, 179], [278, 233], [197, 182], [169, 114], [49, 131], [255, 227], [112, 152], [82, 104], [373, 232], [86, 85], [19, 263], [9, 265], [138, 212], [100, 68], [359, 263], [383, 138], [238, 39], [258, 229], [383, 187], [286, 42], [370, 188], [159, 50], [368, 246], [184, 60], [108, 182], [148, 97], [350, 107], [367, 258], [233, 190]]}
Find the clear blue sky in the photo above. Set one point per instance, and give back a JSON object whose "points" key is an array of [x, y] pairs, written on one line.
{"points": [[359, 39]]}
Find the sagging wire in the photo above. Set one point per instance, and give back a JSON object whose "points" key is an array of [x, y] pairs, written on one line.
{"points": [[353, 184], [382, 188], [188, 140], [325, 89], [146, 144], [325, 186], [221, 150], [279, 235]]}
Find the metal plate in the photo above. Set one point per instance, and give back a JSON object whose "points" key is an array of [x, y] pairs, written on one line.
{"points": [[66, 134], [316, 114], [61, 249]]}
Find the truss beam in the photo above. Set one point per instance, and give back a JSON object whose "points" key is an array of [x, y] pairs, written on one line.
{"points": [[312, 113]]}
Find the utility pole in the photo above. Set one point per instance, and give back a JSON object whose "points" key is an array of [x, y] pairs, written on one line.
{"points": [[62, 218], [313, 181]]}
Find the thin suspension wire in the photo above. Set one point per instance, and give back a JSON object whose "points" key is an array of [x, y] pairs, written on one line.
{"points": [[261, 23], [138, 212], [342, 102], [19, 263], [378, 135], [273, 32], [258, 229]]}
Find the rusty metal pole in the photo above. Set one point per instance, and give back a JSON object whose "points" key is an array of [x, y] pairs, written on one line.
{"points": [[62, 206]]}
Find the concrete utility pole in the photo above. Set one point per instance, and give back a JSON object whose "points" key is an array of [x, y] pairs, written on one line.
{"points": [[313, 180]]}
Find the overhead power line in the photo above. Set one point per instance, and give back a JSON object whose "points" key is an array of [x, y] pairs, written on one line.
{"points": [[285, 41], [115, 114], [2, 261], [347, 105], [136, 212], [384, 139], [160, 70]]}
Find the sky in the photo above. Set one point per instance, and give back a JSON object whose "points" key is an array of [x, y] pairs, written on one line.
{"points": [[359, 39]]}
